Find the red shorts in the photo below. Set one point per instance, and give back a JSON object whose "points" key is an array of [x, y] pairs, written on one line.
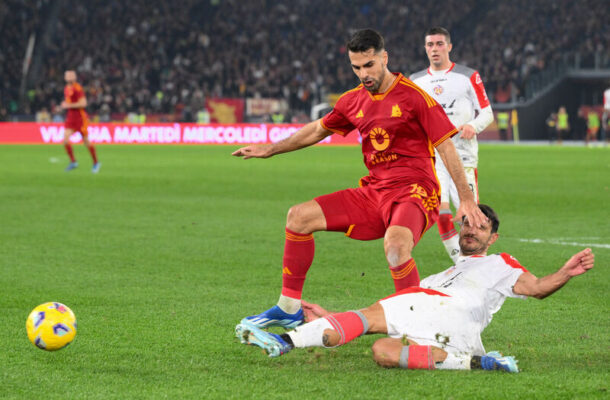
{"points": [[365, 213], [77, 121]]}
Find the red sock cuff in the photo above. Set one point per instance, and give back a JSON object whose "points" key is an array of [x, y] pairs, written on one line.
{"points": [[405, 275], [403, 270], [416, 357], [298, 237], [349, 325], [445, 224]]}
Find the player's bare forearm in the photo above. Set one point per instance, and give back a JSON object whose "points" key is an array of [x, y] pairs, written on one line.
{"points": [[578, 264], [468, 206], [308, 135]]}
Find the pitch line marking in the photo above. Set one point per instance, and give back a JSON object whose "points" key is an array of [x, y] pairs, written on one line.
{"points": [[565, 243]]}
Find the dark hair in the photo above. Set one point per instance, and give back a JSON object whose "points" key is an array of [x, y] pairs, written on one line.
{"points": [[439, 30], [493, 217], [364, 40]]}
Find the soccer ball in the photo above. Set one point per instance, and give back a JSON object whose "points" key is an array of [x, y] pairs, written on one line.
{"points": [[51, 326]]}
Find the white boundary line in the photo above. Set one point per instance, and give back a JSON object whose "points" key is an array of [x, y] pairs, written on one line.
{"points": [[565, 243]]}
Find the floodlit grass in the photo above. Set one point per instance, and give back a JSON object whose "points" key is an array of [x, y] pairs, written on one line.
{"points": [[168, 247]]}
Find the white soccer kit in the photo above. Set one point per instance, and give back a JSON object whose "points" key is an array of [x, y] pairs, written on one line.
{"points": [[460, 91], [474, 289], [607, 99]]}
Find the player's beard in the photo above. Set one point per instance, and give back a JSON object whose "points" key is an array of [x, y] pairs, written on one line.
{"points": [[374, 88], [472, 248]]}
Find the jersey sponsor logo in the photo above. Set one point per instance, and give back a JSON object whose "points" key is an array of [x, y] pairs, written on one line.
{"points": [[396, 111], [438, 89], [382, 158], [360, 114], [445, 106], [380, 139], [477, 79]]}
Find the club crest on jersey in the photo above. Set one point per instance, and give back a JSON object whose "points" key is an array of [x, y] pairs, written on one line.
{"points": [[438, 89], [380, 139], [396, 111]]}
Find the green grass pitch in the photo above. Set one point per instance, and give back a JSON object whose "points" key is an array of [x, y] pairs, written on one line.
{"points": [[168, 247]]}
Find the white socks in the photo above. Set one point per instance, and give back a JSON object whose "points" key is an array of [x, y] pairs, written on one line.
{"points": [[455, 361], [288, 304], [452, 245], [310, 334]]}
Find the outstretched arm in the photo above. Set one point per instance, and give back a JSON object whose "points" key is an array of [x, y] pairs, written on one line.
{"points": [[578, 264], [310, 134], [468, 207]]}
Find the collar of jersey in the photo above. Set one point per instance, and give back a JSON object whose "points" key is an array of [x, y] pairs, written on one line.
{"points": [[462, 258], [381, 96], [441, 71]]}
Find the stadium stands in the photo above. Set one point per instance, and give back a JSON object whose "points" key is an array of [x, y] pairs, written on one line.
{"points": [[147, 56]]}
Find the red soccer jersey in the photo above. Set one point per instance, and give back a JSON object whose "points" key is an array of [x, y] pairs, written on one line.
{"points": [[399, 130], [72, 93]]}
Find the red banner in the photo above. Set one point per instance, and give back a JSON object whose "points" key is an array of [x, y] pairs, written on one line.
{"points": [[161, 133]]}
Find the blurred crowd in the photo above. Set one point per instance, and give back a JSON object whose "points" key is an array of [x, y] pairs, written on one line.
{"points": [[148, 56]]}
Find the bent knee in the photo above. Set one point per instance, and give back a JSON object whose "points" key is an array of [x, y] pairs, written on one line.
{"points": [[305, 218], [386, 352]]}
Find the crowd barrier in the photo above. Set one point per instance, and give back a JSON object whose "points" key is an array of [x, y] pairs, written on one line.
{"points": [[160, 133]]}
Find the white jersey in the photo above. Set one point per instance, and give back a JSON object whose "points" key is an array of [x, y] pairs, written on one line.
{"points": [[607, 100], [483, 281], [460, 91], [451, 309]]}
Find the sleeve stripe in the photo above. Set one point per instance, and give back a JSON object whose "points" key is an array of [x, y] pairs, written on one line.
{"points": [[337, 131], [512, 262], [447, 135], [429, 100]]}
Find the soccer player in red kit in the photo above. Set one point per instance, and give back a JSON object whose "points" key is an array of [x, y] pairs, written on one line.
{"points": [[76, 119], [400, 126]]}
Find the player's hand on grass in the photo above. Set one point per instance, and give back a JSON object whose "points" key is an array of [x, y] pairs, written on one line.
{"points": [[579, 263], [254, 151], [472, 212], [468, 131], [313, 311]]}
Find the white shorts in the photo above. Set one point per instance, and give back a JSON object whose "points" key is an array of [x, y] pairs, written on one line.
{"points": [[433, 320], [449, 193]]}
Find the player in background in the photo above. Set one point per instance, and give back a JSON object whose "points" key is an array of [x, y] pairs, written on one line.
{"points": [[400, 125], [460, 91], [606, 117], [593, 123], [437, 325], [76, 119]]}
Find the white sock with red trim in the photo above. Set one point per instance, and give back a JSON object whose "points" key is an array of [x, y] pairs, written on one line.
{"points": [[449, 236], [310, 334]]}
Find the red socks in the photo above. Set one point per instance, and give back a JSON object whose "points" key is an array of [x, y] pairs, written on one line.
{"points": [[405, 275], [70, 152], [298, 256], [93, 155], [349, 325], [416, 357], [445, 226]]}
